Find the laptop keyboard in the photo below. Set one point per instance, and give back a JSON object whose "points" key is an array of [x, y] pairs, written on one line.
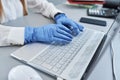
{"points": [[57, 57]]}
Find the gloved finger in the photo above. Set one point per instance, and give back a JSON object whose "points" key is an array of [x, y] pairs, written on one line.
{"points": [[79, 26], [67, 24], [62, 36], [73, 27], [61, 31], [65, 29], [59, 41]]}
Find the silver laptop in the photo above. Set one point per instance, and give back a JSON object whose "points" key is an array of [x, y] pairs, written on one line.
{"points": [[68, 62]]}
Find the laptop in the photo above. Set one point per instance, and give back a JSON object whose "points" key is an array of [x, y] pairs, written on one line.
{"points": [[68, 62]]}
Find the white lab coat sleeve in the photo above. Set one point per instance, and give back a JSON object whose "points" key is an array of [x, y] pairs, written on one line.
{"points": [[11, 35], [44, 7]]}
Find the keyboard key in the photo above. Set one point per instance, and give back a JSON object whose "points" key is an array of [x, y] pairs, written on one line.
{"points": [[46, 65]]}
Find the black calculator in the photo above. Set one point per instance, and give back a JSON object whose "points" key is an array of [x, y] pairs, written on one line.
{"points": [[103, 12]]}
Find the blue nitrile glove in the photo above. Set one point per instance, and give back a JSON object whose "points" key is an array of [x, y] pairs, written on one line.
{"points": [[61, 18], [47, 34]]}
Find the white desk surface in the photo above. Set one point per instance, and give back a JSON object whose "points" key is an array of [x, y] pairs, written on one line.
{"points": [[101, 71]]}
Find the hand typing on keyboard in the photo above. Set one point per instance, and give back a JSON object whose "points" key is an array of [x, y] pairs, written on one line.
{"points": [[50, 33], [64, 20], [56, 33]]}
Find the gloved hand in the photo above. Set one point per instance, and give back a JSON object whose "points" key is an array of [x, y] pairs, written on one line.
{"points": [[64, 20], [47, 34]]}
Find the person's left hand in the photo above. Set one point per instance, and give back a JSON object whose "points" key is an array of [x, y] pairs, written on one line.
{"points": [[64, 20]]}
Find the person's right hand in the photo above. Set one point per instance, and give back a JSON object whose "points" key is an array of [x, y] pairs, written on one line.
{"points": [[47, 34]]}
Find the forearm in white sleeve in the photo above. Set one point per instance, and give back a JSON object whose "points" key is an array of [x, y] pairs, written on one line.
{"points": [[11, 35], [43, 7]]}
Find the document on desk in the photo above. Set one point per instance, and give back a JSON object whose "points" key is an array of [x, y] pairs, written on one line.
{"points": [[116, 50]]}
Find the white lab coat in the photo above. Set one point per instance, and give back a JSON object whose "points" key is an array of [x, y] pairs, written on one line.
{"points": [[15, 35]]}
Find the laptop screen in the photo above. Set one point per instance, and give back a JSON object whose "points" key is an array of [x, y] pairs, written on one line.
{"points": [[118, 18]]}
